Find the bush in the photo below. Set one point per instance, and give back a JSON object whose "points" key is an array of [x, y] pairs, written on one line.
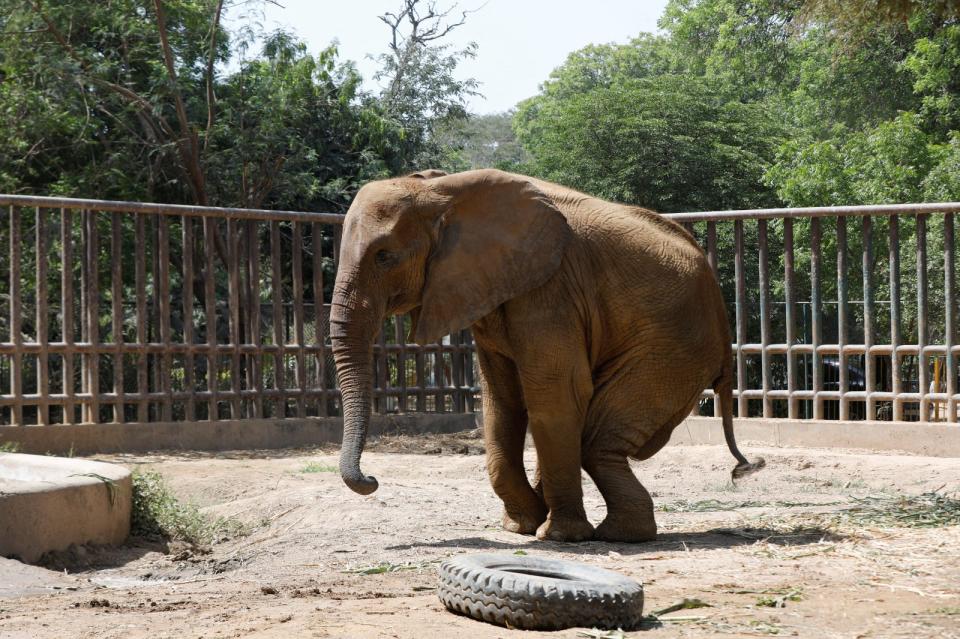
{"points": [[157, 512]]}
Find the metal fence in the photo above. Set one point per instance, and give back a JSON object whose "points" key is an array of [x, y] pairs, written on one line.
{"points": [[131, 312], [889, 359]]}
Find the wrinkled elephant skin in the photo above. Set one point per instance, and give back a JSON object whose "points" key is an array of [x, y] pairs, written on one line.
{"points": [[597, 327]]}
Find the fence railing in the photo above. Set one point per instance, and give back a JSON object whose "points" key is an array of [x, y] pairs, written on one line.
{"points": [[841, 358], [132, 312]]}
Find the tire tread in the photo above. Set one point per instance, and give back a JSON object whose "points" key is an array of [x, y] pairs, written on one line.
{"points": [[528, 603]]}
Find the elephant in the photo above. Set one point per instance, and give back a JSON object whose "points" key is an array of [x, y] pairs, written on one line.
{"points": [[597, 327]]}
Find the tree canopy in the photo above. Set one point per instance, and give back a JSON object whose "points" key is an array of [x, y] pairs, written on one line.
{"points": [[152, 100], [735, 103], [750, 103]]}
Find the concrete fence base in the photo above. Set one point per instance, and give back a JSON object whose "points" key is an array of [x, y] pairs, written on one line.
{"points": [[90, 439], [937, 440], [933, 440]]}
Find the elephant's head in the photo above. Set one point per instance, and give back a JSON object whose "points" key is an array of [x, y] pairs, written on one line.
{"points": [[449, 249]]}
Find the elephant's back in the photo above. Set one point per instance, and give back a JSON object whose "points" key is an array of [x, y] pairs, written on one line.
{"points": [[653, 294], [659, 333], [637, 248]]}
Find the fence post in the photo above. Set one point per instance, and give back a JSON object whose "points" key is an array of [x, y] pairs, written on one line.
{"points": [[189, 383], [895, 376], [923, 373], [816, 314], [163, 275], [764, 318], [43, 319], [949, 285], [67, 324], [91, 318], [143, 406], [116, 301], [843, 378], [740, 307], [233, 296], [16, 336], [790, 318], [868, 357], [297, 259]]}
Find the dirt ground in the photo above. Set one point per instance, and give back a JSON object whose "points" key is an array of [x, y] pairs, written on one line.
{"points": [[772, 555]]}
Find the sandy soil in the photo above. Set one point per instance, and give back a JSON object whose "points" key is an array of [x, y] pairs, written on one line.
{"points": [[320, 561]]}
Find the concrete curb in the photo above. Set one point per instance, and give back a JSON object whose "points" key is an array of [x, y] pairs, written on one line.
{"points": [[932, 440], [49, 503], [91, 439], [935, 440]]}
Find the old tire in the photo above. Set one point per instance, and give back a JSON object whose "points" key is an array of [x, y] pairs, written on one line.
{"points": [[539, 594]]}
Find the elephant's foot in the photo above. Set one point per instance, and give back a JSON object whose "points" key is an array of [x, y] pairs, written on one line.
{"points": [[628, 527], [565, 529], [524, 522]]}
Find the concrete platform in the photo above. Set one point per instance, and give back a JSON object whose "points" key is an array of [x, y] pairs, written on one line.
{"points": [[49, 503]]}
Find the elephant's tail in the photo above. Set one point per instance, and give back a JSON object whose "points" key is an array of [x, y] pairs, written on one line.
{"points": [[723, 388]]}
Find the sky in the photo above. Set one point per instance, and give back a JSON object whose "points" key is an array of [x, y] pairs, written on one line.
{"points": [[519, 41]]}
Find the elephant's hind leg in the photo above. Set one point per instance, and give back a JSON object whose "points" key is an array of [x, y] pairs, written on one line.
{"points": [[557, 393], [629, 506], [504, 430]]}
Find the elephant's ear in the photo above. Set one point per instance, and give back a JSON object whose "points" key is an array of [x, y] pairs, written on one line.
{"points": [[499, 237]]}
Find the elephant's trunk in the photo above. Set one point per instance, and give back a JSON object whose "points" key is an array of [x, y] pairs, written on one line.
{"points": [[353, 353]]}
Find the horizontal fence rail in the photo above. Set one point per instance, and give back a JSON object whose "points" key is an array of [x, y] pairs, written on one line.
{"points": [[134, 312]]}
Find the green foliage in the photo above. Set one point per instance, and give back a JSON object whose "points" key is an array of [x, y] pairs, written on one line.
{"points": [[744, 43], [744, 104], [314, 467], [601, 65], [292, 132], [927, 510], [157, 512], [853, 15], [92, 104], [934, 64], [942, 184], [886, 164], [483, 141], [670, 142], [780, 600]]}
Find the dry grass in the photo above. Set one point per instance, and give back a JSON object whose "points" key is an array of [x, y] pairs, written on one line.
{"points": [[927, 510]]}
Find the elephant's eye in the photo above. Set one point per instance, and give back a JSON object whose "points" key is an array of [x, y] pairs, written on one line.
{"points": [[386, 259]]}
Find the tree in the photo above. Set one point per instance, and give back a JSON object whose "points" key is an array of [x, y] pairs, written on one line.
{"points": [[125, 76], [421, 93], [744, 43], [133, 100], [858, 15], [295, 132], [483, 141], [671, 143]]}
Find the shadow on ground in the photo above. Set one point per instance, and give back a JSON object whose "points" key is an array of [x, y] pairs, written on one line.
{"points": [[715, 538], [81, 558]]}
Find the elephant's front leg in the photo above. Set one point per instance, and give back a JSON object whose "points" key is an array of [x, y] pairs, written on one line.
{"points": [[556, 408], [504, 429]]}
